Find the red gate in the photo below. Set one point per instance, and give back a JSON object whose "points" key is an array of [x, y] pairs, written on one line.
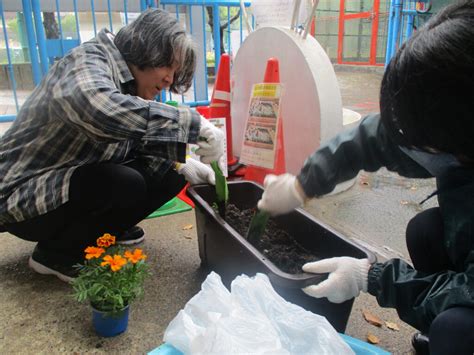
{"points": [[358, 32]]}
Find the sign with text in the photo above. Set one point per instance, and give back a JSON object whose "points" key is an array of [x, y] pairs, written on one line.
{"points": [[261, 130]]}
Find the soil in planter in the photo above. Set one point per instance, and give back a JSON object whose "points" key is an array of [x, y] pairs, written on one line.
{"points": [[276, 244]]}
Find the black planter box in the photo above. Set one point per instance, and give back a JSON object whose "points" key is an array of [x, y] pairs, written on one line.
{"points": [[228, 253]]}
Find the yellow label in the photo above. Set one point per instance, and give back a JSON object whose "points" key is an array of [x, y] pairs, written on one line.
{"points": [[266, 90]]}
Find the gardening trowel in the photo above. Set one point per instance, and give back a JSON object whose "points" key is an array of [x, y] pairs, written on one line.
{"points": [[257, 226]]}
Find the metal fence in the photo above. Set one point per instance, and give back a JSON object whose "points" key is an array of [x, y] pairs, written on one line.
{"points": [[36, 33], [405, 17]]}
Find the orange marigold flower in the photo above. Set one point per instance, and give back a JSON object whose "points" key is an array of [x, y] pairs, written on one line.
{"points": [[116, 262], [136, 256], [93, 252], [106, 240]]}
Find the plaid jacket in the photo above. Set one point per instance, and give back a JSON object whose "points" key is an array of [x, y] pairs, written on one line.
{"points": [[84, 112]]}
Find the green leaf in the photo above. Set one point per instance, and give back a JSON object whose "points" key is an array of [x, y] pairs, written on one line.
{"points": [[257, 226], [107, 290], [222, 191]]}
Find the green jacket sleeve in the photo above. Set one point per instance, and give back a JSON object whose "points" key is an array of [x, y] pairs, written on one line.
{"points": [[366, 147]]}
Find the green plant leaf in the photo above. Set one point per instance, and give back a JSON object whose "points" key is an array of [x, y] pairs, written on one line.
{"points": [[222, 191], [257, 226], [106, 290]]}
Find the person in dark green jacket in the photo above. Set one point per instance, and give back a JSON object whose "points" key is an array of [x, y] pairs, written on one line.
{"points": [[425, 129]]}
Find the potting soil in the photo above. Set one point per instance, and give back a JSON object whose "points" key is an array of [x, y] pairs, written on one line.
{"points": [[276, 244]]}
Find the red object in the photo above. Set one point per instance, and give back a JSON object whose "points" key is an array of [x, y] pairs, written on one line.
{"points": [[255, 173], [371, 16], [220, 102], [203, 111], [184, 197]]}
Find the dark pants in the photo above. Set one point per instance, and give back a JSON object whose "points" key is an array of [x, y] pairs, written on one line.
{"points": [[103, 198], [452, 331]]}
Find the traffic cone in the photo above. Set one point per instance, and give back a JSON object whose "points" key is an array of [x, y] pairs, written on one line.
{"points": [[255, 173], [220, 102]]}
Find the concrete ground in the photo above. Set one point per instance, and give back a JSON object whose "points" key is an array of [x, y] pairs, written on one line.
{"points": [[39, 315]]}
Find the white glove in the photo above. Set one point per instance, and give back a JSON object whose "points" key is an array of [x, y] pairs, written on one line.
{"points": [[196, 172], [212, 147], [347, 277], [280, 195]]}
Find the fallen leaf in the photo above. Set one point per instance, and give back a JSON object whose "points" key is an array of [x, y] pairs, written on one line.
{"points": [[372, 339], [187, 227], [188, 237], [392, 326], [369, 317]]}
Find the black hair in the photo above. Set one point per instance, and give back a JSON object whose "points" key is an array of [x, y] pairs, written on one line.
{"points": [[427, 92], [156, 39]]}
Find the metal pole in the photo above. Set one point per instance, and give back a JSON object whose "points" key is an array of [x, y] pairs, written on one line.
{"points": [[375, 28], [93, 17], [125, 11], [340, 34], [35, 65], [217, 36], [61, 37], [7, 118], [409, 29], [43, 52], [109, 11], [78, 33], [393, 28], [10, 67], [203, 12], [189, 8]]}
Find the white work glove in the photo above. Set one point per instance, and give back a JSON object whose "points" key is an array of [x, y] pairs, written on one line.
{"points": [[211, 148], [280, 195], [347, 277], [196, 172]]}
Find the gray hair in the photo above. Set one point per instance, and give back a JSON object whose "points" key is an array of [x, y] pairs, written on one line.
{"points": [[156, 39]]}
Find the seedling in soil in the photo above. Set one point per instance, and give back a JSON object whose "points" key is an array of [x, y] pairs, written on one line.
{"points": [[257, 226], [222, 191]]}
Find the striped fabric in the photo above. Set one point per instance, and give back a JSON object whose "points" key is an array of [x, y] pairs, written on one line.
{"points": [[85, 112]]}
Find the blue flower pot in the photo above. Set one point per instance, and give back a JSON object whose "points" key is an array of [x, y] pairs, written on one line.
{"points": [[109, 326]]}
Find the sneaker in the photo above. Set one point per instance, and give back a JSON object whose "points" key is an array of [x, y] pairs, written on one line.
{"points": [[131, 236], [47, 263], [421, 344]]}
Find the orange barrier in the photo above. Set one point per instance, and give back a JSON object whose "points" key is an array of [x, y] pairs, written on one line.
{"points": [[220, 102]]}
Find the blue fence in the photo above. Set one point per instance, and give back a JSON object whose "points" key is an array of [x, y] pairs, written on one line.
{"points": [[80, 20], [404, 18]]}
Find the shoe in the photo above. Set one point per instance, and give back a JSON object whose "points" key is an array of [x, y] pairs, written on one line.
{"points": [[46, 262], [421, 344], [131, 236]]}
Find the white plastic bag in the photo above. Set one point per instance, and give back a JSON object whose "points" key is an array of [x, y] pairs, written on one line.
{"points": [[252, 318]]}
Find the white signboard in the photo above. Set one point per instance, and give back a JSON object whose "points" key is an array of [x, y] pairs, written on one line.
{"points": [[261, 131]]}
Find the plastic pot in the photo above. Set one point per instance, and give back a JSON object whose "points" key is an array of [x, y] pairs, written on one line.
{"points": [[110, 325], [224, 250]]}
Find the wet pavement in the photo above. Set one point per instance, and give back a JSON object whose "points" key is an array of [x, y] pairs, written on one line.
{"points": [[40, 316]]}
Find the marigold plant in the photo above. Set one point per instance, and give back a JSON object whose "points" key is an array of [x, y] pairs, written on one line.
{"points": [[111, 277]]}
